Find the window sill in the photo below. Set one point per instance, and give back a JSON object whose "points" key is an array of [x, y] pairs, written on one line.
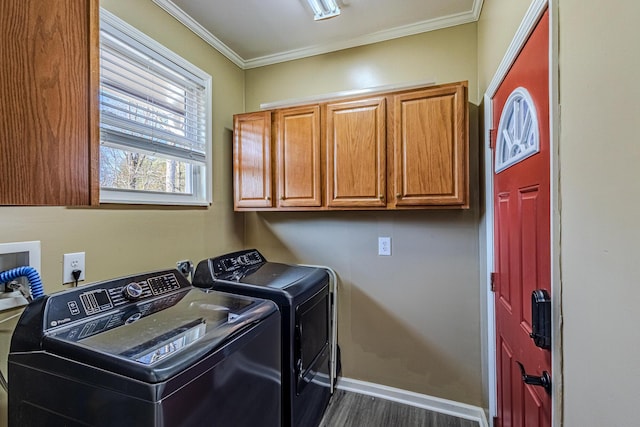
{"points": [[149, 198]]}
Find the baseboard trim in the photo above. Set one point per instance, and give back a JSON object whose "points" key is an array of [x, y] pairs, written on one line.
{"points": [[436, 404]]}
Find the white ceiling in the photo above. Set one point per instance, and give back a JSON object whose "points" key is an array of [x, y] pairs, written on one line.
{"points": [[254, 33]]}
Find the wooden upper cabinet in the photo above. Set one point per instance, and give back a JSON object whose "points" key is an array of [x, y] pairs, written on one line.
{"points": [[252, 160], [298, 157], [49, 81], [430, 137], [356, 153], [397, 150]]}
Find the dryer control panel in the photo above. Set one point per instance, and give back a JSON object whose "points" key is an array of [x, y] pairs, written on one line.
{"points": [[236, 261], [233, 266]]}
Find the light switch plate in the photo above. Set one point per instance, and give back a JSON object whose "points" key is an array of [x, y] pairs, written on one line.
{"points": [[384, 246]]}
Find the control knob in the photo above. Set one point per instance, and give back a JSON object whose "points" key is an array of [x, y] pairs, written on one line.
{"points": [[132, 291]]}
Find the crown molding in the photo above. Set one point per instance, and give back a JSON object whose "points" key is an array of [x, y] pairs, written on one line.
{"points": [[476, 9], [172, 9], [380, 36]]}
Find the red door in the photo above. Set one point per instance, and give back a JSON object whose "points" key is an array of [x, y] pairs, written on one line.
{"points": [[522, 229]]}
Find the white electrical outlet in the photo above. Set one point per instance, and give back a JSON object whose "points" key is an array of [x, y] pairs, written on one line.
{"points": [[384, 246], [70, 262]]}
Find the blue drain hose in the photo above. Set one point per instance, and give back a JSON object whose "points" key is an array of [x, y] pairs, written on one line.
{"points": [[30, 273]]}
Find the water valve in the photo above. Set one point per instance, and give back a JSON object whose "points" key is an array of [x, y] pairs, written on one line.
{"points": [[185, 268]]}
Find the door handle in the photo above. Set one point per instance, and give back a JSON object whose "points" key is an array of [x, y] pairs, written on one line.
{"points": [[542, 381], [299, 364]]}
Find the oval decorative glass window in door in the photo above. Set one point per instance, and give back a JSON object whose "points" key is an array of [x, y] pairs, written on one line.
{"points": [[518, 134]]}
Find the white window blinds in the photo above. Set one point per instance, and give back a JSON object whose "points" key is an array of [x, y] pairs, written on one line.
{"points": [[155, 110]]}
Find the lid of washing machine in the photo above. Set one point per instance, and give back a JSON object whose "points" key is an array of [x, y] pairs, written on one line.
{"points": [[151, 336]]}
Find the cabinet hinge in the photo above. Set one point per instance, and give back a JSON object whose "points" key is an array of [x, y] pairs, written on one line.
{"points": [[493, 282], [492, 138]]}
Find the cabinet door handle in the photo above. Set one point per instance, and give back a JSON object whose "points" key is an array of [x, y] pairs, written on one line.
{"points": [[381, 197], [267, 198], [398, 196]]}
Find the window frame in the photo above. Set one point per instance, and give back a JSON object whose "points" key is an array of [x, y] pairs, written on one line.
{"points": [[202, 194]]}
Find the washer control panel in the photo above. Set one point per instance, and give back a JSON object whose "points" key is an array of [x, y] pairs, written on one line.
{"points": [[132, 291], [97, 324], [91, 300]]}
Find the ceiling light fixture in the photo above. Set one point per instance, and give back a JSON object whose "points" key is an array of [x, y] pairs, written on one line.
{"points": [[324, 9]]}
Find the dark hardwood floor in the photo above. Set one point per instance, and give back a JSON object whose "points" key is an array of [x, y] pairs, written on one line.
{"points": [[348, 409]]}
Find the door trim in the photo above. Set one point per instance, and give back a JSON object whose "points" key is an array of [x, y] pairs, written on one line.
{"points": [[528, 24]]}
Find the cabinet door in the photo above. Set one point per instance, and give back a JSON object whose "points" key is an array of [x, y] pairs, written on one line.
{"points": [[48, 102], [252, 160], [356, 153], [430, 147], [298, 162]]}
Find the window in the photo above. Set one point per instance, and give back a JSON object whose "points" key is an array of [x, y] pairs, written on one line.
{"points": [[518, 132], [155, 125]]}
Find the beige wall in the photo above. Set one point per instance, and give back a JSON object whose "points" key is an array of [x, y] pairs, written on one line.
{"points": [[410, 320], [600, 191], [120, 240], [442, 56], [127, 240], [497, 25], [598, 154]]}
